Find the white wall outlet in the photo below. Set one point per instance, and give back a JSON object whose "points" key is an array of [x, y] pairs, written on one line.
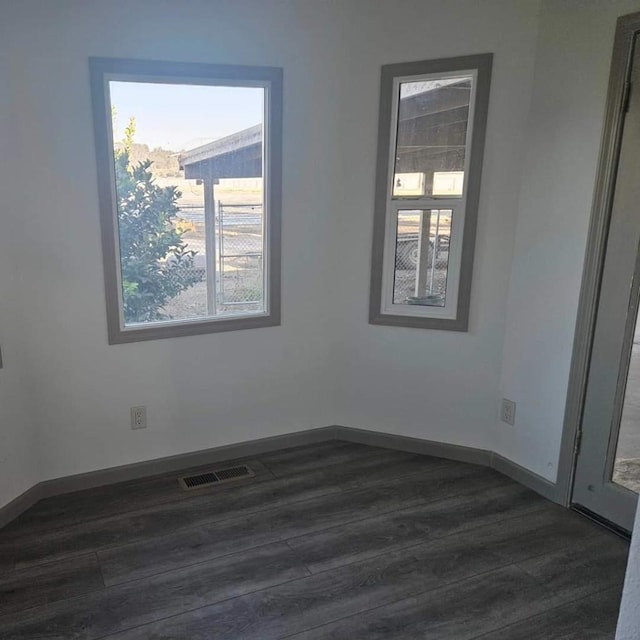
{"points": [[508, 411], [138, 417]]}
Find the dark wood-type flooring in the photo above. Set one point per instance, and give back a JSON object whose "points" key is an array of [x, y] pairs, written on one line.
{"points": [[334, 540]]}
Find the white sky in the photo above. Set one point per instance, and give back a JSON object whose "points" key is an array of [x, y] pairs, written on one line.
{"points": [[181, 117]]}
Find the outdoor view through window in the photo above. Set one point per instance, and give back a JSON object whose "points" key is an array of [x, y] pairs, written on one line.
{"points": [[431, 141], [190, 200]]}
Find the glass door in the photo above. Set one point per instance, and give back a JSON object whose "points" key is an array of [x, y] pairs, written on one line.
{"points": [[607, 474], [626, 462]]}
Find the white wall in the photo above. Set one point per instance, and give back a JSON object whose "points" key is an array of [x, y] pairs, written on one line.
{"points": [[432, 384], [200, 391], [325, 364], [18, 449], [560, 156], [629, 619]]}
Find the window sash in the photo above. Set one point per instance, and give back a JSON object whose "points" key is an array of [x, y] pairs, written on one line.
{"points": [[453, 268], [210, 228], [454, 315], [393, 133], [397, 203]]}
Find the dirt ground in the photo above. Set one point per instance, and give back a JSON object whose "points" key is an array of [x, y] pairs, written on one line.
{"points": [[627, 465], [239, 259]]}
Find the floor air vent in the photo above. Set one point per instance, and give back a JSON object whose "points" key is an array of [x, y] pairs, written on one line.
{"points": [[218, 476]]}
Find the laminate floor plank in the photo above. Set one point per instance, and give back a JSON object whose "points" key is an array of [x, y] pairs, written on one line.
{"points": [[298, 490], [170, 552], [462, 611], [127, 562], [78, 508], [547, 530], [382, 468], [50, 583], [298, 459], [7, 559], [329, 548], [195, 509], [144, 601], [123, 497], [270, 614], [577, 569], [335, 594], [377, 467], [591, 618], [332, 540], [584, 566]]}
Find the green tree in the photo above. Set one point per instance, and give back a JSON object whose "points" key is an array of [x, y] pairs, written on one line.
{"points": [[155, 263]]}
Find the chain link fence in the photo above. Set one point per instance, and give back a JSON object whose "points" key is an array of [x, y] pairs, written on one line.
{"points": [[237, 241], [240, 256], [430, 286]]}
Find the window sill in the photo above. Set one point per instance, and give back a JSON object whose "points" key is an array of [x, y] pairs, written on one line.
{"points": [[170, 330], [417, 322]]}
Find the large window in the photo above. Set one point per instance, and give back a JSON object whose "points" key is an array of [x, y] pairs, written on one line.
{"points": [[432, 125], [189, 173]]}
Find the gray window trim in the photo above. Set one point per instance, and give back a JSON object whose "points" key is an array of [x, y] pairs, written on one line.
{"points": [[196, 73], [482, 64]]}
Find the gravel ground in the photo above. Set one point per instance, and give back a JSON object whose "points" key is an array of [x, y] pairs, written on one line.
{"points": [[627, 473]]}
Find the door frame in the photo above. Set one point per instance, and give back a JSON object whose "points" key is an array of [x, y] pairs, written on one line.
{"points": [[627, 27]]}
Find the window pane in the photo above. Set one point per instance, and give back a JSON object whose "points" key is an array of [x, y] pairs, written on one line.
{"points": [[431, 137], [189, 186], [422, 257], [626, 470]]}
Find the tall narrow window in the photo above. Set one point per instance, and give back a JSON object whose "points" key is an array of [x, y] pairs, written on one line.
{"points": [[189, 183], [432, 126]]}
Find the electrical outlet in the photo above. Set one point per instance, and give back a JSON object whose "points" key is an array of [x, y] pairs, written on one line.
{"points": [[138, 417], [508, 411]]}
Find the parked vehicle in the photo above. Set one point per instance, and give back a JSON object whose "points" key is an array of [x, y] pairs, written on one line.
{"points": [[407, 249]]}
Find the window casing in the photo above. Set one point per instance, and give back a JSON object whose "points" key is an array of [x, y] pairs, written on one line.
{"points": [[224, 254], [431, 140]]}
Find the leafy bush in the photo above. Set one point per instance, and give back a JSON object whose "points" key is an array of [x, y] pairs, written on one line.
{"points": [[155, 263]]}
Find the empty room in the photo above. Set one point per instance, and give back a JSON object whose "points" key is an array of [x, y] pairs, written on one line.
{"points": [[318, 319]]}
